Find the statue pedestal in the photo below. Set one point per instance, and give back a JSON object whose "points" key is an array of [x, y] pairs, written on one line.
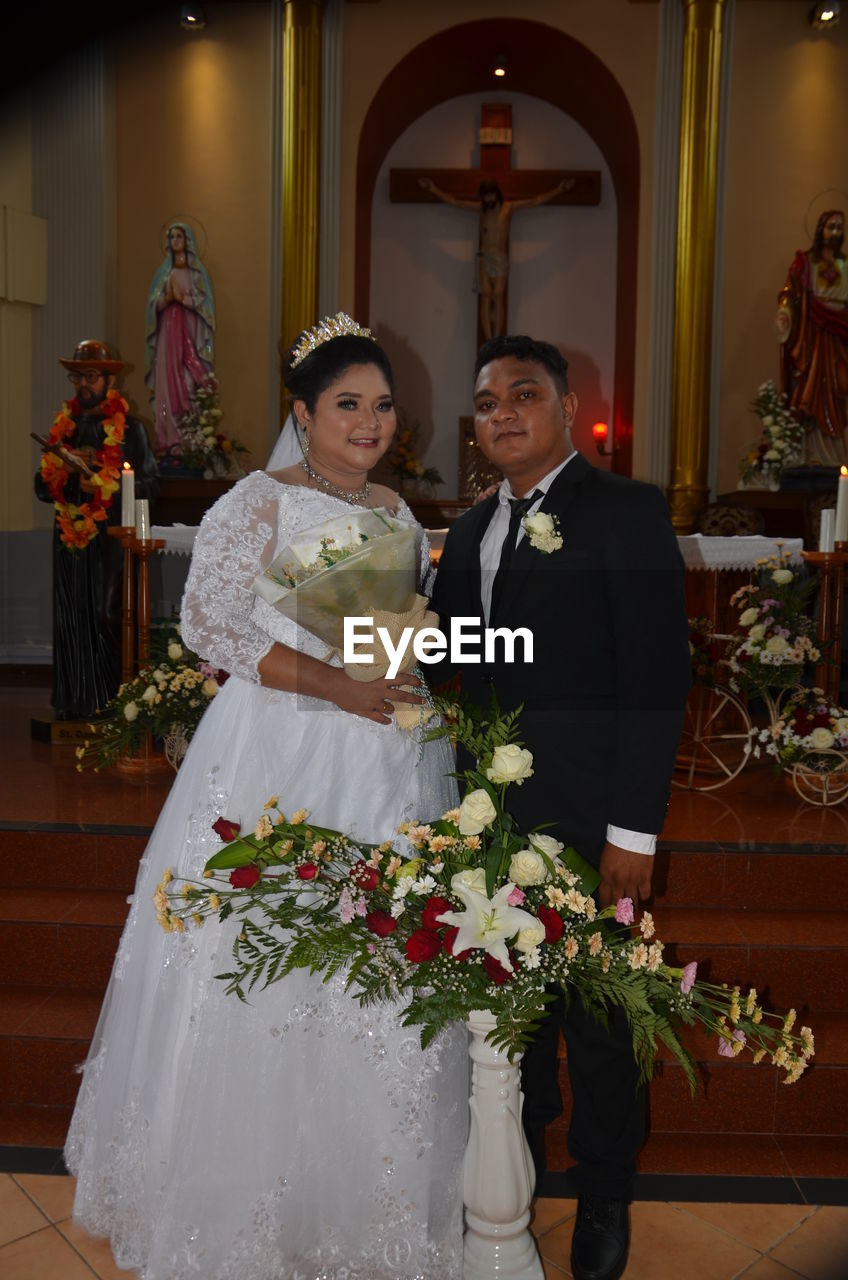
{"points": [[498, 1175]]}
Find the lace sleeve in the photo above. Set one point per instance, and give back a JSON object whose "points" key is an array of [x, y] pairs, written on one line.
{"points": [[426, 571], [235, 542]]}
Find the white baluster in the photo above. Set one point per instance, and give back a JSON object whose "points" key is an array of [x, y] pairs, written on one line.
{"points": [[498, 1173]]}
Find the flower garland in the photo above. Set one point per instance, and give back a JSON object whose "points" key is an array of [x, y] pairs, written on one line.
{"points": [[78, 524]]}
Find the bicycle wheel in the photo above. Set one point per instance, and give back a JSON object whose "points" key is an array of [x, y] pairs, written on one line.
{"points": [[715, 743]]}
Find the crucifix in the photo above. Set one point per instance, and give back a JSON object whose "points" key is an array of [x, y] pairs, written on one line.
{"points": [[494, 192]]}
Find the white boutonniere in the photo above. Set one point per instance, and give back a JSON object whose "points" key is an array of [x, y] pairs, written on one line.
{"points": [[543, 532]]}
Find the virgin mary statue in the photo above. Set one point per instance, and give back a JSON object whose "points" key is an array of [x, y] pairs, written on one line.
{"points": [[180, 333]]}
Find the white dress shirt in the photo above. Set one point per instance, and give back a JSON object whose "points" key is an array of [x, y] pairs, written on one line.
{"points": [[490, 555]]}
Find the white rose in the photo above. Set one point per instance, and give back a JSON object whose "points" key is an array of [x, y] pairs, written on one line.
{"points": [[768, 420], [130, 711], [782, 576], [530, 937], [821, 738], [149, 693], [476, 812], [473, 878], [547, 844], [770, 455], [776, 645], [749, 617], [842, 726], [538, 523], [158, 675], [175, 651], [210, 687], [510, 764], [527, 867], [757, 632]]}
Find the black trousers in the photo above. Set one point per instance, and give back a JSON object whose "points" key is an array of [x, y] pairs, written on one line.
{"points": [[607, 1124]]}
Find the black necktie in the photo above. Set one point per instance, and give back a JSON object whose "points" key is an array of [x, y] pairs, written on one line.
{"points": [[518, 510]]}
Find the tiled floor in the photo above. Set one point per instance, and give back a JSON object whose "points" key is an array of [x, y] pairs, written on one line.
{"points": [[670, 1241]]}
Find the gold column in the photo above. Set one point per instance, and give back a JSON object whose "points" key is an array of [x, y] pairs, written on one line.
{"points": [[301, 159], [693, 305]]}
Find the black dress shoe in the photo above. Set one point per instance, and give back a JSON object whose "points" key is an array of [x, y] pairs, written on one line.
{"points": [[601, 1239]]}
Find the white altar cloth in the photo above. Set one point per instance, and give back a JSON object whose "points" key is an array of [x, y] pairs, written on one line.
{"points": [[698, 552]]}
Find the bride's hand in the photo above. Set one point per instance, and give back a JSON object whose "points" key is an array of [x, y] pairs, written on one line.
{"points": [[373, 699]]}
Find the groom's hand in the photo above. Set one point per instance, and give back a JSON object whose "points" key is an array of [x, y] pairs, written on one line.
{"points": [[624, 874]]}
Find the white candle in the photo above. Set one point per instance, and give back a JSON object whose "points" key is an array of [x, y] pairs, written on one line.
{"points": [[828, 523], [127, 496], [142, 519], [840, 533]]}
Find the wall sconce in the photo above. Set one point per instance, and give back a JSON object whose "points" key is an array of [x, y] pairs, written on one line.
{"points": [[499, 67], [824, 14], [600, 432], [192, 17]]}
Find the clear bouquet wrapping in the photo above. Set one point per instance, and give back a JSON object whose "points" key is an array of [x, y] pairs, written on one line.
{"points": [[362, 564]]}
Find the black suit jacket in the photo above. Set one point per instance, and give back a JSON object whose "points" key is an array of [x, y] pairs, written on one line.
{"points": [[604, 697]]}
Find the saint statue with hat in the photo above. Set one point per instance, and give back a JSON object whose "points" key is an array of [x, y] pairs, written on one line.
{"points": [[80, 473]]}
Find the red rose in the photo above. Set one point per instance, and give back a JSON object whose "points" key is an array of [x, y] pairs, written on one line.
{"points": [[552, 920], [821, 720], [306, 871], [245, 877], [226, 829], [495, 970], [434, 907], [448, 941], [364, 876], [422, 945], [381, 923]]}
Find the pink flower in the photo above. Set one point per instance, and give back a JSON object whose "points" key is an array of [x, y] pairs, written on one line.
{"points": [[727, 1048], [516, 897], [624, 911], [346, 908], [690, 972]]}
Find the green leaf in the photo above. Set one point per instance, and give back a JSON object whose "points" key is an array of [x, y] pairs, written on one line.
{"points": [[590, 877], [237, 854]]}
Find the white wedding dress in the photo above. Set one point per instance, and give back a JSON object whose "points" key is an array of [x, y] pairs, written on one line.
{"points": [[297, 1136]]}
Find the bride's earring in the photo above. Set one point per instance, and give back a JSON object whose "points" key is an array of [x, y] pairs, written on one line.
{"points": [[304, 443]]}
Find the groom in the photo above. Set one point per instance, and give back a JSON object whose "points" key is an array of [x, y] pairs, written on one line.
{"points": [[603, 703]]}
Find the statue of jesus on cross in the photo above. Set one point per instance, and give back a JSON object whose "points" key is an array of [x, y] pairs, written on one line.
{"points": [[493, 244]]}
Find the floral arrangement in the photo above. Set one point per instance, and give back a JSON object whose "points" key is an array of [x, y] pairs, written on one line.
{"points": [[77, 524], [810, 729], [465, 912], [404, 460], [703, 651], [204, 446], [780, 445], [543, 532], [166, 699], [777, 631]]}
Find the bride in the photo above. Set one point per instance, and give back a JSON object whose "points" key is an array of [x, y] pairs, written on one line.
{"points": [[296, 1136]]}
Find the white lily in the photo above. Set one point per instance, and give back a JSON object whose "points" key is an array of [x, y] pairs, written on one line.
{"points": [[486, 922]]}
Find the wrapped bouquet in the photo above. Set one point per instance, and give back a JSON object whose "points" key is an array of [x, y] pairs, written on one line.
{"points": [[465, 912], [362, 564]]}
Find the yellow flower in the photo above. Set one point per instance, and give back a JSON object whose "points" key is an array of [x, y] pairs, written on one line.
{"points": [[299, 815], [759, 1055], [167, 875], [177, 925], [272, 803], [214, 902], [751, 1001], [789, 1020], [198, 919]]}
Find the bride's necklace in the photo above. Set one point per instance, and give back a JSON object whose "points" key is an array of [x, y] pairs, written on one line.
{"points": [[354, 496]]}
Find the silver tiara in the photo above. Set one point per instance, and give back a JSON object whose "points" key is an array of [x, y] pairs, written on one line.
{"points": [[337, 326]]}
